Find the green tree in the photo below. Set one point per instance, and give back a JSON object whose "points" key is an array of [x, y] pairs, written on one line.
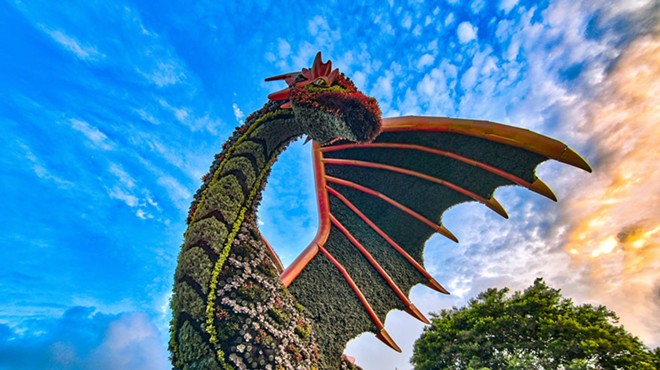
{"points": [[534, 329]]}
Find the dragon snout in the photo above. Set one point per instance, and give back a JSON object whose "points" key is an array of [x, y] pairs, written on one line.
{"points": [[360, 113]]}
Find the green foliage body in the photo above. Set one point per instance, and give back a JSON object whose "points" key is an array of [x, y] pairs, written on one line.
{"points": [[534, 329]]}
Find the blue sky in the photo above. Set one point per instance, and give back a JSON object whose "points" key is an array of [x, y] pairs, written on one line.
{"points": [[111, 113]]}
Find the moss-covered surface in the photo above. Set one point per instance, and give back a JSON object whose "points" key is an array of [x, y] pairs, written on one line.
{"points": [[333, 308], [337, 313], [230, 310], [374, 287]]}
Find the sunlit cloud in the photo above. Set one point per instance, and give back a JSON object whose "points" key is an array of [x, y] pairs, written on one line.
{"points": [[617, 232]]}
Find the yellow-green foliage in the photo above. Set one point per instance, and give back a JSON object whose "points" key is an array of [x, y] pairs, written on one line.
{"points": [[225, 196], [303, 330], [209, 230], [312, 88], [195, 263], [191, 345], [253, 149], [279, 315], [213, 286]]}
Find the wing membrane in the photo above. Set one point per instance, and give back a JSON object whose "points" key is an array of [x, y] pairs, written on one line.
{"points": [[380, 202]]}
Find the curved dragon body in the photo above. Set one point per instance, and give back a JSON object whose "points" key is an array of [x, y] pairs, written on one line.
{"points": [[230, 309], [382, 186]]}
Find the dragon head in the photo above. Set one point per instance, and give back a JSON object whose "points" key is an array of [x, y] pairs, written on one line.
{"points": [[327, 104]]}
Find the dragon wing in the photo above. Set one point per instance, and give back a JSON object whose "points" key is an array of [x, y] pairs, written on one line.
{"points": [[380, 202]]}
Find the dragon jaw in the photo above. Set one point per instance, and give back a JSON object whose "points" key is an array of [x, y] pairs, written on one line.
{"points": [[328, 106]]}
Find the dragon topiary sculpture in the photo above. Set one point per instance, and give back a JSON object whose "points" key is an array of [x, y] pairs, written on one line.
{"points": [[382, 186]]}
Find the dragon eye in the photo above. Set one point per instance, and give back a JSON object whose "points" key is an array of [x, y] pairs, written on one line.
{"points": [[320, 82]]}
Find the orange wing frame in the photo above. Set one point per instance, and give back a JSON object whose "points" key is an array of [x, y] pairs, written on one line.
{"points": [[414, 164]]}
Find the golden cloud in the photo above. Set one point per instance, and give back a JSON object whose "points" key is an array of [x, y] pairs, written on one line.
{"points": [[617, 217]]}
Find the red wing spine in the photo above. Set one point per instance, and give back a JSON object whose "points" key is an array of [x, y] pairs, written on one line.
{"points": [[273, 255], [411, 309], [431, 281], [513, 136], [439, 228], [293, 270], [537, 186], [491, 203], [372, 314]]}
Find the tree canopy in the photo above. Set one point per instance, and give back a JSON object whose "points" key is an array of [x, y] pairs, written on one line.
{"points": [[534, 329]]}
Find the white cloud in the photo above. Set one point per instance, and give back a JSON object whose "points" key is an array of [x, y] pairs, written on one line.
{"points": [[383, 86], [359, 78], [140, 213], [84, 52], [188, 118], [477, 5], [317, 23], [175, 190], [166, 73], [125, 191], [93, 134], [449, 20], [466, 32], [469, 78], [425, 60], [238, 114], [122, 175], [130, 342], [121, 194], [283, 48], [507, 5], [39, 169], [406, 22]]}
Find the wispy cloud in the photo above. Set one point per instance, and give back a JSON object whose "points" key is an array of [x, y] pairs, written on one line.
{"points": [[40, 169], [82, 51], [93, 134], [118, 193], [164, 73]]}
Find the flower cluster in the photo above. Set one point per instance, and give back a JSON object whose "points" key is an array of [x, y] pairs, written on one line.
{"points": [[258, 321]]}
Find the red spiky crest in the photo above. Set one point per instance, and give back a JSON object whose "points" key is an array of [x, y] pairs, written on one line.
{"points": [[318, 71]]}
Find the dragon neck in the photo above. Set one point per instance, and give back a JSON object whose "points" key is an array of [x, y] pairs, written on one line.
{"points": [[245, 161], [222, 218]]}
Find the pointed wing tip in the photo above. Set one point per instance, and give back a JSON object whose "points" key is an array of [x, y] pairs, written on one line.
{"points": [[385, 337], [445, 232], [433, 284], [540, 187], [570, 156], [416, 313], [497, 207]]}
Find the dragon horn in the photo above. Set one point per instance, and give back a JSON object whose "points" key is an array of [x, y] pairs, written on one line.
{"points": [[317, 65], [280, 95], [283, 76]]}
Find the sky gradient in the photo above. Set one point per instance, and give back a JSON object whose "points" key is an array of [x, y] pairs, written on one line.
{"points": [[112, 111]]}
